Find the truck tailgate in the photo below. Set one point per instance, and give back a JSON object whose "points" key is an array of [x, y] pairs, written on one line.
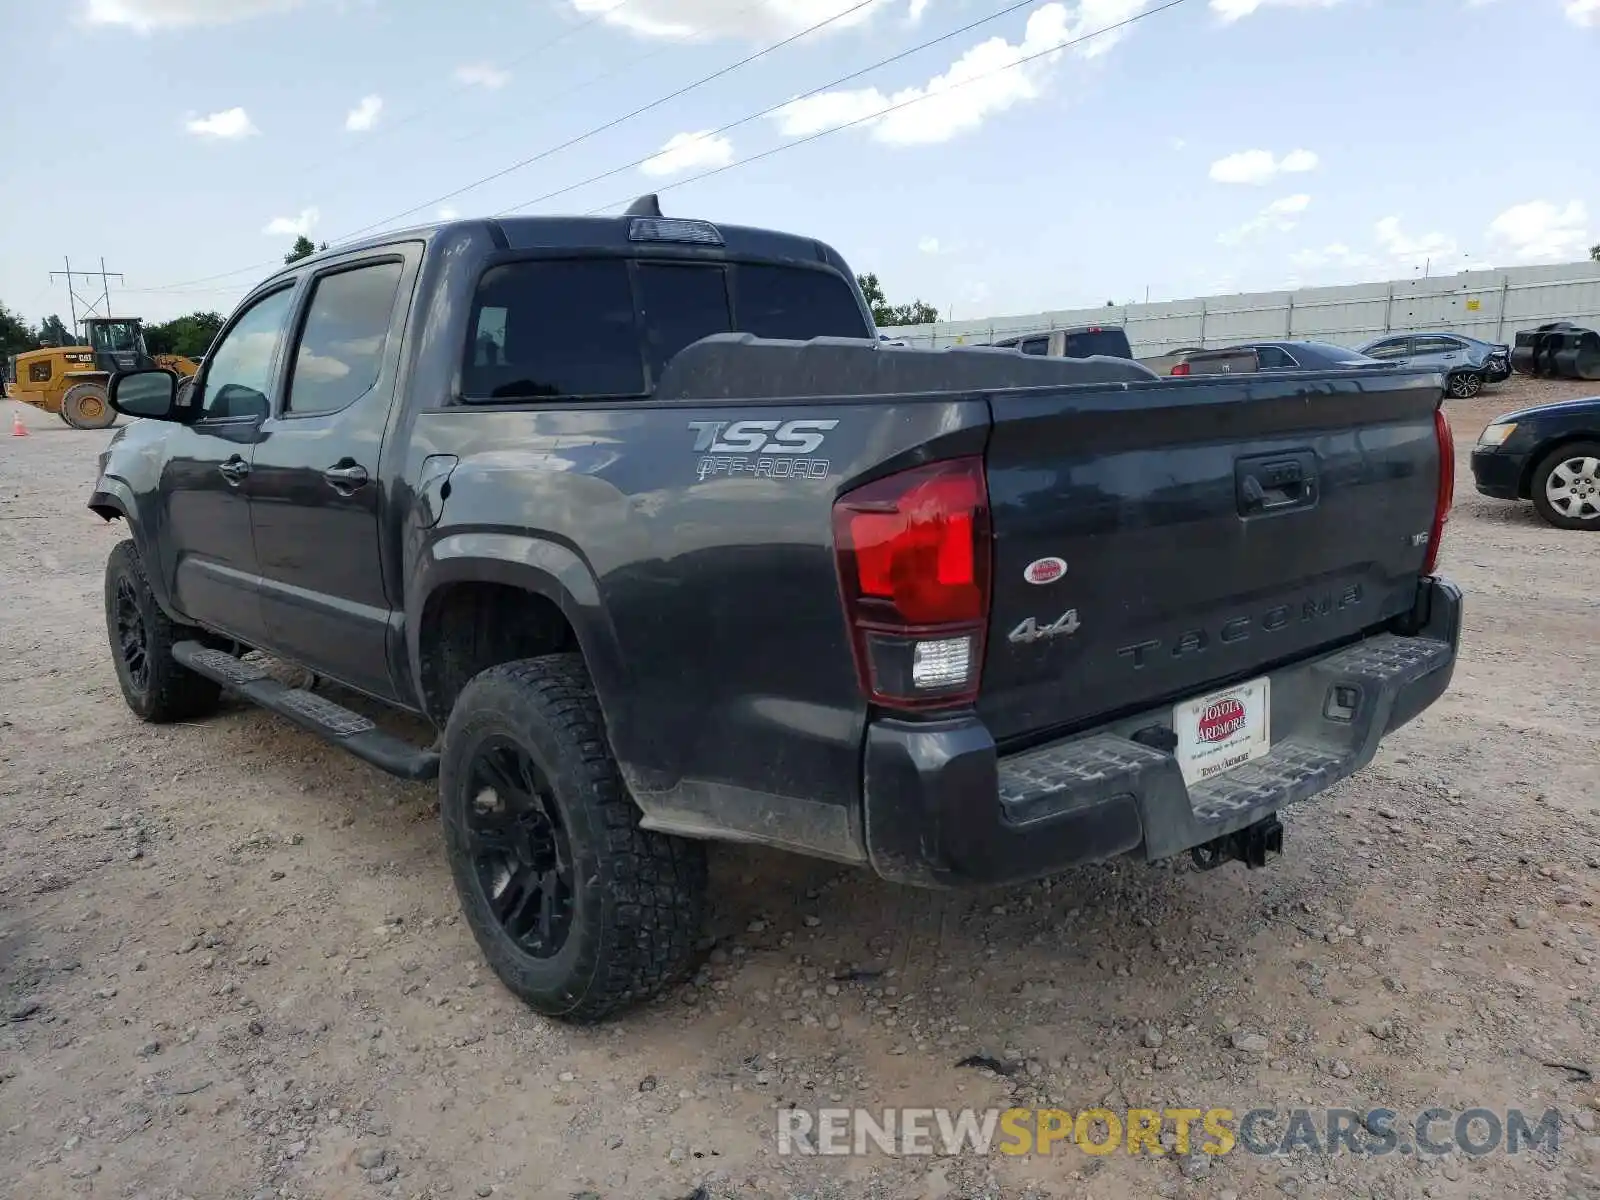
{"points": [[1155, 541]]}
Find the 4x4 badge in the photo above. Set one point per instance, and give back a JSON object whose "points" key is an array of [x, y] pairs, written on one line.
{"points": [[1031, 631]]}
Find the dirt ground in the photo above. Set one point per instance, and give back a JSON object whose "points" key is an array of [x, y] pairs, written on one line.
{"points": [[230, 962]]}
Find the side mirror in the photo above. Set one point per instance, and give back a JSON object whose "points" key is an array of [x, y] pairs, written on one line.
{"points": [[151, 393]]}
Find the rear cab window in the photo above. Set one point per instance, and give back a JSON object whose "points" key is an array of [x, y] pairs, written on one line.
{"points": [[606, 328], [1088, 342]]}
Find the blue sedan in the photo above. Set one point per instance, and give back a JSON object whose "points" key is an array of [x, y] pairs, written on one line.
{"points": [[1466, 363]]}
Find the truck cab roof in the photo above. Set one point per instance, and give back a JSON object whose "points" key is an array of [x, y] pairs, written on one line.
{"points": [[621, 235]]}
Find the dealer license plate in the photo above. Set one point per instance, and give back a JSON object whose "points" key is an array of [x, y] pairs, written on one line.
{"points": [[1223, 730]]}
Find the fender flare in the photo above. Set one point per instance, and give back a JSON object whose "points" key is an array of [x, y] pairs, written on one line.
{"points": [[533, 564], [115, 497]]}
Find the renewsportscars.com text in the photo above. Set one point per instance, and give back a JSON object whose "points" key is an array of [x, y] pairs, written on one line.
{"points": [[1180, 1131]]}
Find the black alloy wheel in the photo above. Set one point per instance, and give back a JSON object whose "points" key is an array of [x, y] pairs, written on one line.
{"points": [[522, 855]]}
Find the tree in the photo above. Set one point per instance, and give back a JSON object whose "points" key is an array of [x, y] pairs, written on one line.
{"points": [[16, 335], [886, 315], [54, 332], [303, 248], [1594, 253], [190, 335]]}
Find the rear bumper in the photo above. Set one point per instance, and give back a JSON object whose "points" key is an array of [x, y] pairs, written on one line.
{"points": [[1497, 473], [943, 808]]}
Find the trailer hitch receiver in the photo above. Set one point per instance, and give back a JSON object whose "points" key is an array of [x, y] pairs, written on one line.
{"points": [[1250, 845]]}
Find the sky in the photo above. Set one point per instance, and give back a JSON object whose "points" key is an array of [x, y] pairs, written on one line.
{"points": [[1012, 158]]}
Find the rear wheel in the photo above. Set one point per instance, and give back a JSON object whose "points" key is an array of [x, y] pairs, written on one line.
{"points": [[1465, 385], [578, 910], [86, 406], [1566, 486], [154, 684]]}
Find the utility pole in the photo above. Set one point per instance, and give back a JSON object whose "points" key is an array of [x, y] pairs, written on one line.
{"points": [[100, 306]]}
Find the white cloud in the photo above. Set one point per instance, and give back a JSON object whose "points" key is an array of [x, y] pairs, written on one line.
{"points": [[483, 75], [1413, 250], [1233, 10], [145, 16], [299, 226], [1585, 13], [226, 125], [914, 13], [1539, 231], [1334, 254], [1278, 217], [764, 19], [989, 78], [930, 245], [1257, 167], [688, 152], [447, 213], [364, 115]]}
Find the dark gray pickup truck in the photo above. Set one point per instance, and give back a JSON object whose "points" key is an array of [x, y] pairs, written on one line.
{"points": [[641, 517]]}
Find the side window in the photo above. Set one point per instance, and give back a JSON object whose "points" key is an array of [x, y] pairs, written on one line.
{"points": [[1393, 348], [1436, 345], [1271, 358], [239, 367], [1039, 346], [549, 328], [341, 346]]}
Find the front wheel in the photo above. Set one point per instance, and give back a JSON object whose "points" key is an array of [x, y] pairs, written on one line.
{"points": [[1465, 385], [579, 911], [156, 686], [1566, 486], [86, 406]]}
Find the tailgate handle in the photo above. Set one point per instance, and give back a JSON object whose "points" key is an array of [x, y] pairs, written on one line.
{"points": [[1275, 484]]}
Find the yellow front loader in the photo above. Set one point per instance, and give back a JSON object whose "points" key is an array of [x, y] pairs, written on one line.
{"points": [[70, 381]]}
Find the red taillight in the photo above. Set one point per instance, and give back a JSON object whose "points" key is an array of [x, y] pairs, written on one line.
{"points": [[1447, 490], [913, 556], [1181, 369]]}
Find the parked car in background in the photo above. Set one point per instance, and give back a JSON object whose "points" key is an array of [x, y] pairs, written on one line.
{"points": [[1085, 341], [1273, 356], [1467, 363], [1549, 454]]}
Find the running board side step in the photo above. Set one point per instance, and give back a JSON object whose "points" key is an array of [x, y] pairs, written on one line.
{"points": [[317, 714]]}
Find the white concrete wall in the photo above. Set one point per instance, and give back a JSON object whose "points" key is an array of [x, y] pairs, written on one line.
{"points": [[1491, 305]]}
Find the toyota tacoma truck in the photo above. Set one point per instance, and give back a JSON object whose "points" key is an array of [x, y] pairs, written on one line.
{"points": [[642, 519]]}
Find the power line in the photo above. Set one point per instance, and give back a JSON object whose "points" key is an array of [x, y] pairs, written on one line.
{"points": [[1006, 10], [915, 100], [546, 153], [389, 127], [766, 112], [615, 121], [567, 93]]}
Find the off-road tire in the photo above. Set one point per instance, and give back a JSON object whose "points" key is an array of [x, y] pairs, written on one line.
{"points": [[637, 896], [1572, 451], [1464, 385], [165, 690], [81, 396]]}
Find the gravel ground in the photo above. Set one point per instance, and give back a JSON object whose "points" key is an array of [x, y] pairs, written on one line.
{"points": [[230, 963]]}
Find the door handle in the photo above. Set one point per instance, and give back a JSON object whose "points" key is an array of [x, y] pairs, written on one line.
{"points": [[346, 477], [234, 469]]}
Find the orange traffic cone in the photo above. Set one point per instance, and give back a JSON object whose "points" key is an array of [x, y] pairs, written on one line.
{"points": [[18, 429]]}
